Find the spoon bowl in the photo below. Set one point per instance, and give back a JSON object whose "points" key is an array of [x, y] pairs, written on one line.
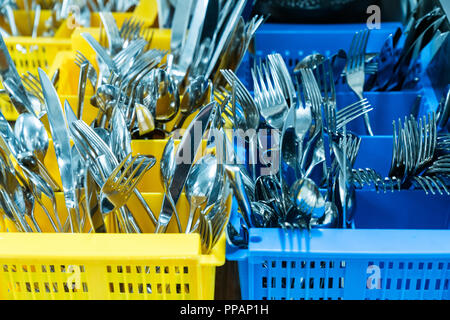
{"points": [[199, 184], [31, 134]]}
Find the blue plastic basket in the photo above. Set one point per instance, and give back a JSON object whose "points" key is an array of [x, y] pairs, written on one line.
{"points": [[399, 249], [400, 246], [294, 42], [336, 264]]}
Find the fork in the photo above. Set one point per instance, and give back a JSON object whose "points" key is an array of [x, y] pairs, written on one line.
{"points": [[414, 145], [369, 176], [91, 146], [211, 223], [278, 63], [120, 184], [431, 183], [130, 30], [350, 113], [92, 73], [355, 73], [269, 95], [313, 97], [32, 84]]}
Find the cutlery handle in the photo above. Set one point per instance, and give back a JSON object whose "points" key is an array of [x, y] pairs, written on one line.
{"points": [[47, 176], [82, 88], [74, 220], [146, 207], [192, 211], [180, 121]]}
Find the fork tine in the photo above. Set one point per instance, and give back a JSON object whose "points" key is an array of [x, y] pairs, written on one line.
{"points": [[359, 54], [343, 113], [437, 179], [365, 40], [432, 181], [353, 116], [430, 186], [140, 176], [114, 174], [351, 51], [132, 175]]}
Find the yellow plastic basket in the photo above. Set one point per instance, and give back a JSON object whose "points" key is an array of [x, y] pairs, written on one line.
{"points": [[110, 266], [145, 10], [30, 53]]}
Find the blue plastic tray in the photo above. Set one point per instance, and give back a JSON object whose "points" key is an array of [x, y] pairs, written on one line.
{"points": [[336, 264], [294, 42], [400, 247]]}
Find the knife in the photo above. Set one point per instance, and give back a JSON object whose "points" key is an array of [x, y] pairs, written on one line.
{"points": [[100, 51], [211, 20], [179, 27], [61, 143], [9, 75], [189, 145], [228, 29], [195, 28]]}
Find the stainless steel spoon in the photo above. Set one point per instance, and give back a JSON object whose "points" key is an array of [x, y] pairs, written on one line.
{"points": [[199, 184], [167, 167], [31, 134]]}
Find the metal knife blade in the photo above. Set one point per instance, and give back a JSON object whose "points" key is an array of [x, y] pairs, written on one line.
{"points": [[188, 146], [8, 71], [231, 24], [211, 20], [193, 37], [179, 27], [61, 143], [100, 51]]}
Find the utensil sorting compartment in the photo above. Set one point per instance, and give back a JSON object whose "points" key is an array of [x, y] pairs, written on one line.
{"points": [[400, 249], [110, 266], [294, 42], [29, 54], [400, 245], [333, 264]]}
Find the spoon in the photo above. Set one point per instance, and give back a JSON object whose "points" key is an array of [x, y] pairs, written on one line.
{"points": [[167, 167], [31, 134], [329, 219], [306, 195], [263, 215], [168, 99], [199, 184], [310, 61], [191, 100]]}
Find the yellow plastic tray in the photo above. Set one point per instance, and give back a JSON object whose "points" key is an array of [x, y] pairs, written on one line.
{"points": [[30, 53], [146, 10], [110, 266], [68, 70]]}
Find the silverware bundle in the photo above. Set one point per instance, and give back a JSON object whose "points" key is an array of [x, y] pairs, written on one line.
{"points": [[134, 94], [313, 183], [80, 10]]}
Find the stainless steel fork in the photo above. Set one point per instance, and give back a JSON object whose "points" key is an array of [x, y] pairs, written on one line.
{"points": [[120, 184], [269, 95], [92, 73], [355, 73]]}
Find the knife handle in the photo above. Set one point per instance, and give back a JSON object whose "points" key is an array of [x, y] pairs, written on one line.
{"points": [[47, 177], [74, 220]]}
